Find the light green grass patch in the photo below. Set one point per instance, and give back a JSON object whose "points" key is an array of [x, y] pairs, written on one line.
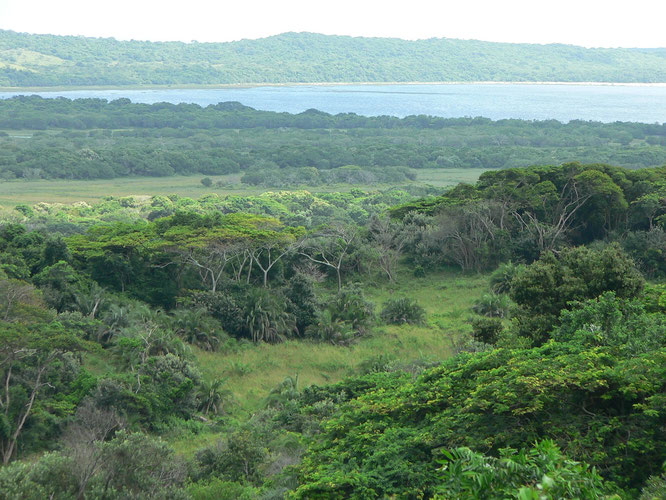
{"points": [[253, 371], [31, 192]]}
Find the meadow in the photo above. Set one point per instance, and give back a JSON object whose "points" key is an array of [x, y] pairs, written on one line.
{"points": [[30, 192], [251, 371]]}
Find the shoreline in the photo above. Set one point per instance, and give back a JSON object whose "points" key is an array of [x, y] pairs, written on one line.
{"points": [[313, 84]]}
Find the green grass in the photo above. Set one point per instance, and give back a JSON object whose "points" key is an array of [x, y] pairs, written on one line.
{"points": [[31, 192], [447, 297]]}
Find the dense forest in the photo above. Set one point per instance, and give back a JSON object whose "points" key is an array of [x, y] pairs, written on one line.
{"points": [[553, 387], [48, 60], [94, 138]]}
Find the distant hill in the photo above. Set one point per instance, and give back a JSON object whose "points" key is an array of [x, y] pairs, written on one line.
{"points": [[49, 60]]}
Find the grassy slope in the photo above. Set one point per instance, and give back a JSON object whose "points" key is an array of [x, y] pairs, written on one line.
{"points": [[447, 297], [253, 371], [70, 191]]}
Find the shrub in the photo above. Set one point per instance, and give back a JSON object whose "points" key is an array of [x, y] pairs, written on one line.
{"points": [[266, 316], [493, 305], [486, 330], [402, 311], [501, 278], [541, 472], [350, 306], [329, 329], [543, 289], [217, 489], [239, 457]]}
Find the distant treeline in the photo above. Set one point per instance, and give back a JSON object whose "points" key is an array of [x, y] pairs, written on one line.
{"points": [[94, 138], [46, 60]]}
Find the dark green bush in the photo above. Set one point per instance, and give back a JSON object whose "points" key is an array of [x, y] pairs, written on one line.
{"points": [[486, 330], [402, 311]]}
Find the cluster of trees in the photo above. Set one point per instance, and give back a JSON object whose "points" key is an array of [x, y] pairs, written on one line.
{"points": [[45, 60], [291, 208], [93, 138], [557, 392], [520, 213]]}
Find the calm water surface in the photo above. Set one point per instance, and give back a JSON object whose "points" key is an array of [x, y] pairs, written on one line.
{"points": [[538, 102]]}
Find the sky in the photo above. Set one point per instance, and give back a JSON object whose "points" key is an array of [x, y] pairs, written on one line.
{"points": [[590, 23]]}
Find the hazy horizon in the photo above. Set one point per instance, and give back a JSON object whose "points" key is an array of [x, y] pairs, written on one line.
{"points": [[318, 33], [589, 24]]}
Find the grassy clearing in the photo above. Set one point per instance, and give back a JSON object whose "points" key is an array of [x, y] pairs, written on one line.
{"points": [[253, 371], [70, 191]]}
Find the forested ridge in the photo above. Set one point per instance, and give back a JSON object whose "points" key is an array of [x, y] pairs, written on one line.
{"points": [[49, 60], [94, 138], [126, 326]]}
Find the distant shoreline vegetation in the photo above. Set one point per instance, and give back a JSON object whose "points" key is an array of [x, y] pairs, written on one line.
{"points": [[194, 86], [53, 61], [97, 139]]}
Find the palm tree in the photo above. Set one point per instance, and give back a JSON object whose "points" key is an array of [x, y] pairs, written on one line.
{"points": [[328, 328], [286, 391], [266, 318], [196, 327], [213, 396]]}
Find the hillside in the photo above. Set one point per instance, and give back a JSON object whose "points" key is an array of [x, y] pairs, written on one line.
{"points": [[48, 60]]}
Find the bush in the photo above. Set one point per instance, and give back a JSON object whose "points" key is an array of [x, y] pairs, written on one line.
{"points": [[239, 457], [545, 288], [493, 305], [328, 329], [486, 330], [542, 472], [217, 489], [207, 182], [501, 278], [350, 306], [403, 311]]}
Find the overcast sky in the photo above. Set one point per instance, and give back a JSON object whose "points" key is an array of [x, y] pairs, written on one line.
{"points": [[591, 23]]}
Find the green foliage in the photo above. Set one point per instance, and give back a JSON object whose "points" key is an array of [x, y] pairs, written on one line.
{"points": [[218, 489], [213, 396], [135, 464], [329, 328], [239, 457], [648, 249], [402, 311], [493, 305], [51, 476], [350, 306], [609, 321], [585, 399], [266, 317], [487, 329], [501, 278], [302, 301], [315, 148], [46, 60], [196, 327], [41, 382], [545, 288], [655, 488], [541, 472]]}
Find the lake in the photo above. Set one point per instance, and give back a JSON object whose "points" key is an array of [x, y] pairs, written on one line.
{"points": [[605, 103]]}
